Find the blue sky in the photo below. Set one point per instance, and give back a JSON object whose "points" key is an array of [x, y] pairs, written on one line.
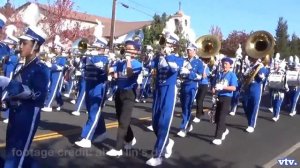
{"points": [[229, 15]]}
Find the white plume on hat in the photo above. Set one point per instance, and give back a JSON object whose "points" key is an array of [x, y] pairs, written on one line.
{"points": [[31, 15], [296, 60], [57, 41], [98, 29], [9, 31], [291, 60]]}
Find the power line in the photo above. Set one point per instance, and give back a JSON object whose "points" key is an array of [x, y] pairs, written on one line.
{"points": [[146, 7], [133, 8]]}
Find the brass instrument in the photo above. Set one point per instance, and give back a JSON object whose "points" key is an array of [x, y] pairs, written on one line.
{"points": [[208, 47], [82, 45], [260, 45]]}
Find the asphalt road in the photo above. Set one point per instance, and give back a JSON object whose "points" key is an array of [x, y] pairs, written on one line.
{"points": [[53, 145]]}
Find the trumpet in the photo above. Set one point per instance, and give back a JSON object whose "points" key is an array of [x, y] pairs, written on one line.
{"points": [[82, 46]]}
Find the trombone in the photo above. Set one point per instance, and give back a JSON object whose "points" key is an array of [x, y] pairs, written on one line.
{"points": [[81, 45]]}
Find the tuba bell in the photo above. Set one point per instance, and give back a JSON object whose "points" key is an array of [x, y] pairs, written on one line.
{"points": [[260, 45], [208, 46]]}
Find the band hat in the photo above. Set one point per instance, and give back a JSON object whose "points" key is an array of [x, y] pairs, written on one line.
{"points": [[34, 33], [2, 21]]}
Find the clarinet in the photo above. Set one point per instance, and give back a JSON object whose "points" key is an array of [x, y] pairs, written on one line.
{"points": [[212, 112]]}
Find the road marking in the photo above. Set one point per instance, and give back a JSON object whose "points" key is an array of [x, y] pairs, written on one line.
{"points": [[54, 135], [273, 162]]}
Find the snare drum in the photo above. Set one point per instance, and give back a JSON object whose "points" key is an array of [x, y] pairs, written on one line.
{"points": [[293, 78], [276, 81]]}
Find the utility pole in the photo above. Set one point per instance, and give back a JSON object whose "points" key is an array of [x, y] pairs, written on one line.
{"points": [[112, 27]]}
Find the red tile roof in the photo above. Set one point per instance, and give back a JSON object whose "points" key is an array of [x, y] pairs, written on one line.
{"points": [[121, 27]]}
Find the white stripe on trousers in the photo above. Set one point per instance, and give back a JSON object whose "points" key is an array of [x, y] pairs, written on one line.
{"points": [[36, 111], [55, 90], [97, 115], [170, 122]]}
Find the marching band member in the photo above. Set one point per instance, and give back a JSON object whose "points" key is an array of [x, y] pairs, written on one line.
{"points": [[190, 75], [294, 91], [11, 61], [80, 98], [226, 83], [95, 74], [202, 88], [277, 94], [27, 91], [167, 67], [253, 92], [145, 89], [57, 70], [126, 72]]}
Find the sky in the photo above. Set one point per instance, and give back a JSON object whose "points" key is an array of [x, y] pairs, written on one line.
{"points": [[229, 15]]}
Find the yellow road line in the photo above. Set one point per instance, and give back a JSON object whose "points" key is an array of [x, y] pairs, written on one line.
{"points": [[73, 131]]}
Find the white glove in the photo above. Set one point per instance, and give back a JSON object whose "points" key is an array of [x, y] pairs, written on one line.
{"points": [[48, 64], [162, 62], [4, 81], [99, 64], [77, 73], [109, 78], [112, 56], [145, 73], [77, 59], [219, 87], [184, 71], [173, 65]]}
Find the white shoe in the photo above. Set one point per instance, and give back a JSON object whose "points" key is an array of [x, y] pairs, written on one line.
{"points": [[191, 128], [225, 134], [232, 113], [181, 133], [130, 144], [144, 101], [114, 153], [169, 148], [47, 109], [84, 143], [292, 114], [58, 108], [270, 109], [137, 100], [196, 120], [73, 101], [154, 162], [5, 121], [217, 141], [76, 113], [110, 99], [275, 119], [150, 127], [67, 95], [250, 129]]}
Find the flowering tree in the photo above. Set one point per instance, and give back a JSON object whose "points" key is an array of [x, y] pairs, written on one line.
{"points": [[231, 44], [216, 31], [55, 15]]}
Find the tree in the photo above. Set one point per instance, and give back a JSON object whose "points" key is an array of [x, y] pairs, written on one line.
{"points": [[216, 31], [55, 16], [231, 44], [282, 38], [152, 33], [295, 45]]}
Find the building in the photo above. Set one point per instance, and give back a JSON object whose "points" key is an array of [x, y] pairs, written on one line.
{"points": [[88, 22], [182, 23]]}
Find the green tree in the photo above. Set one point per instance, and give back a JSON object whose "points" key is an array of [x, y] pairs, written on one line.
{"points": [[295, 45], [153, 32], [282, 38]]}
